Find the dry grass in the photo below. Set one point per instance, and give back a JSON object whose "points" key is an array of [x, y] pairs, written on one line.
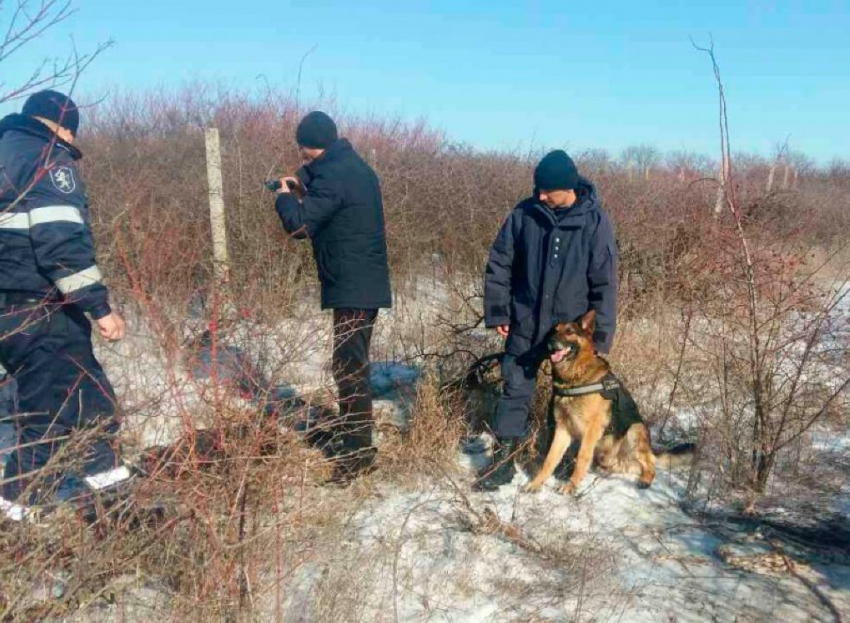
{"points": [[248, 528]]}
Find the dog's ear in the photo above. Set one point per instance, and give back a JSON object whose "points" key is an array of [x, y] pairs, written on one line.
{"points": [[588, 322]]}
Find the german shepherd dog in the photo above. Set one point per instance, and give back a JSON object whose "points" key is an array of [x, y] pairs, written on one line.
{"points": [[618, 446]]}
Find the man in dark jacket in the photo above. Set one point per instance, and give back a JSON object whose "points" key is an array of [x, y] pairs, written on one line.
{"points": [[342, 213], [553, 260], [49, 280]]}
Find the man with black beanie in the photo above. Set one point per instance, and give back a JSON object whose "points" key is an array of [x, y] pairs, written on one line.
{"points": [[554, 259], [49, 281], [342, 213]]}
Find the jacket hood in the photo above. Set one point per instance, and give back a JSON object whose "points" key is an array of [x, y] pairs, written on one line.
{"points": [[27, 125], [587, 200], [339, 147]]}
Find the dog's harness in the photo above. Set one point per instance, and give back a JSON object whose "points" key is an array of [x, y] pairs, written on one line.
{"points": [[607, 384], [624, 410]]}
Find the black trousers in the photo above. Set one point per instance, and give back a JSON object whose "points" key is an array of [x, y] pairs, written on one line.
{"points": [[352, 338], [519, 373], [520, 381], [62, 390]]}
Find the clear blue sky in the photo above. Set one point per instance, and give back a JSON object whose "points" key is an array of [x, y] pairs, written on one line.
{"points": [[503, 74]]}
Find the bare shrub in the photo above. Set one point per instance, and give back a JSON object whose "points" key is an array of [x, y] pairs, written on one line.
{"points": [[246, 532], [429, 446]]}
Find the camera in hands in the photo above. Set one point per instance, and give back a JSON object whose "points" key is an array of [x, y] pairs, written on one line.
{"points": [[275, 185]]}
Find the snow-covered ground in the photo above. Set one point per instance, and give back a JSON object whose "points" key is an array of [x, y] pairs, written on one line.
{"points": [[436, 551], [615, 553]]}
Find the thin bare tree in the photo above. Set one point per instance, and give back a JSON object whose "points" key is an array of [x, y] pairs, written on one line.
{"points": [[22, 22]]}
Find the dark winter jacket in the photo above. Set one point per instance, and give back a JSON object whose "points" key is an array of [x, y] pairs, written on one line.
{"points": [[46, 246], [548, 266], [343, 215]]}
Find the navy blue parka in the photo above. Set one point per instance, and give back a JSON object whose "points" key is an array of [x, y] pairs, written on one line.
{"points": [[46, 245], [553, 265], [343, 215]]}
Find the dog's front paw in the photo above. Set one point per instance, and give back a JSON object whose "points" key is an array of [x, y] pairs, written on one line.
{"points": [[569, 489], [532, 487]]}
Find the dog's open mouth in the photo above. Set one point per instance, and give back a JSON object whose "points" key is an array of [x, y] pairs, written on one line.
{"points": [[559, 355]]}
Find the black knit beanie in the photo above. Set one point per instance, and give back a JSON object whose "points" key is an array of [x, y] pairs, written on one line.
{"points": [[316, 131], [556, 171], [55, 107]]}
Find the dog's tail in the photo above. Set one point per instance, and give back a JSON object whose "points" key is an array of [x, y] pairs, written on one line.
{"points": [[680, 455]]}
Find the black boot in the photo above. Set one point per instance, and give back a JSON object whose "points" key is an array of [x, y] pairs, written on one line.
{"points": [[352, 451], [352, 462], [501, 471]]}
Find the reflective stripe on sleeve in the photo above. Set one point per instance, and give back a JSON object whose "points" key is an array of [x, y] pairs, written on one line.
{"points": [[79, 280], [14, 221], [55, 214], [41, 216]]}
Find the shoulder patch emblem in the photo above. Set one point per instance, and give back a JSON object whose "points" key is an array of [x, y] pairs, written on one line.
{"points": [[63, 179]]}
